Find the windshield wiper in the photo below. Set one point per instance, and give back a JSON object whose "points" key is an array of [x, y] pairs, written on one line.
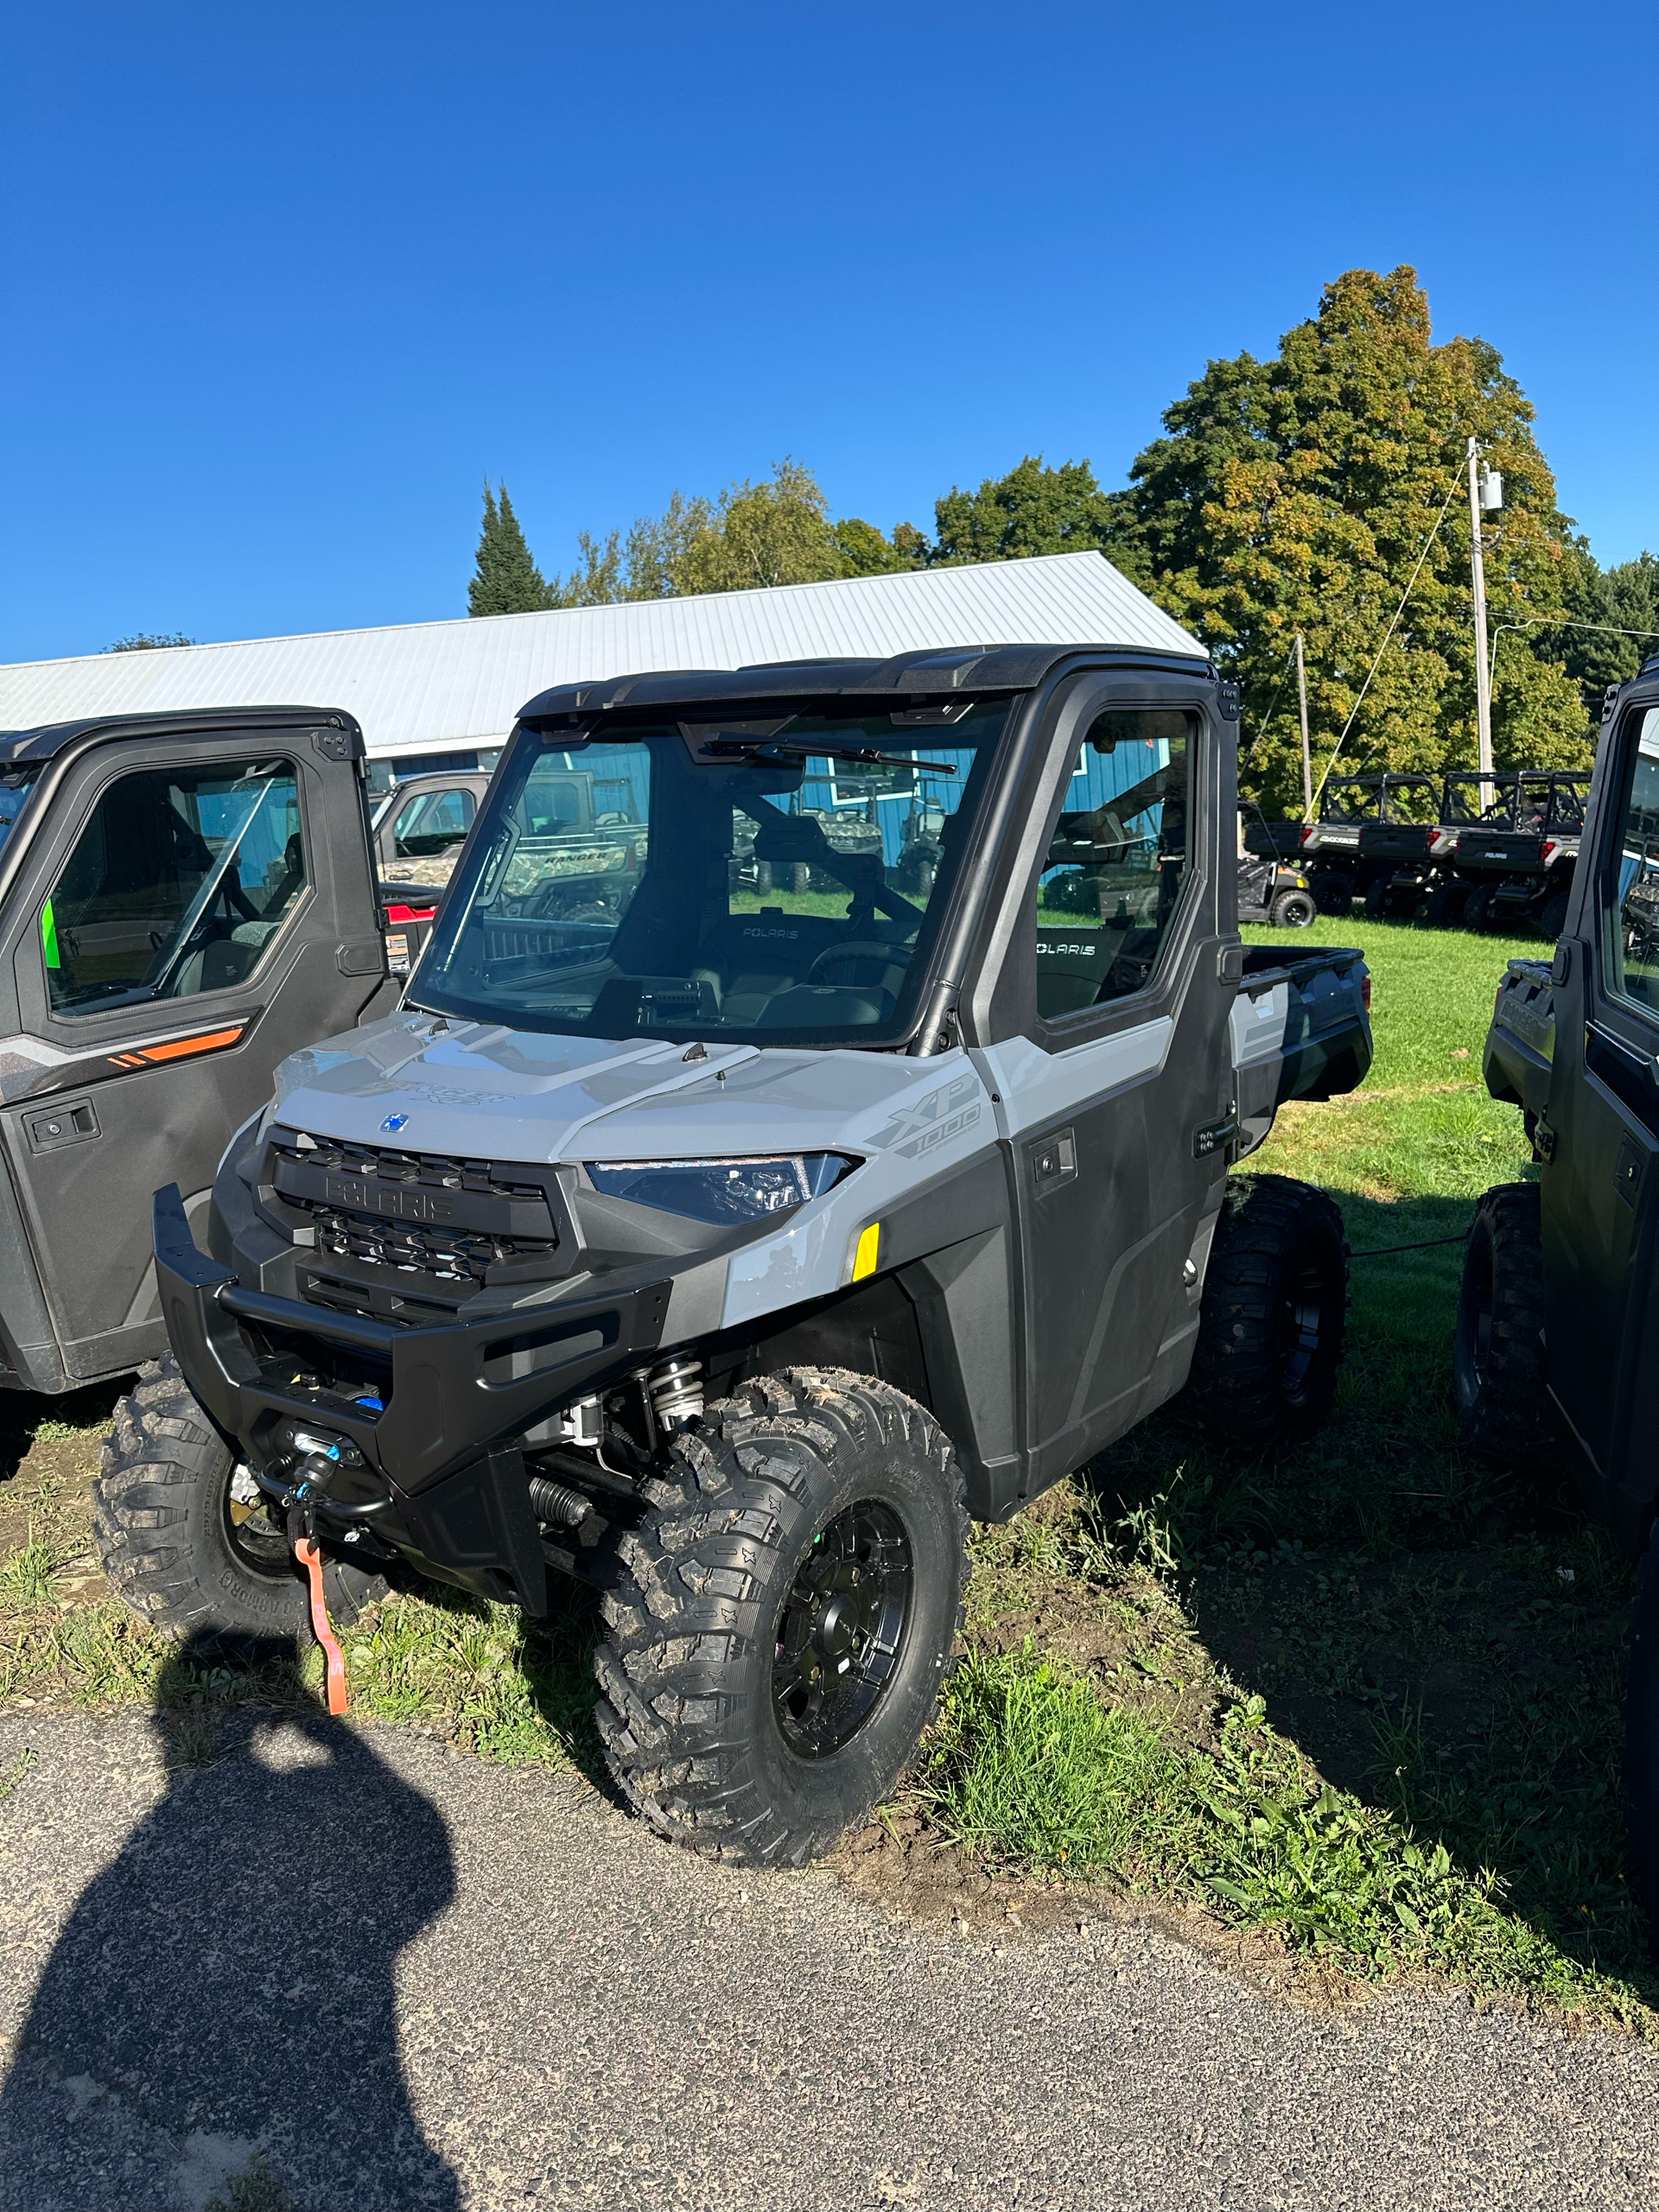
{"points": [[864, 754]]}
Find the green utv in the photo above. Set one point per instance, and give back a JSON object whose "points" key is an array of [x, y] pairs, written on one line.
{"points": [[1557, 1343], [726, 1244]]}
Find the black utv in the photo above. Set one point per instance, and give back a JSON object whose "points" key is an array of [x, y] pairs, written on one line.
{"points": [[1510, 849], [1555, 1344], [729, 1243]]}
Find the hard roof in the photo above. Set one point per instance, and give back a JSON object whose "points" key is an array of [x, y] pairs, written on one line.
{"points": [[919, 676], [427, 687], [21, 748]]}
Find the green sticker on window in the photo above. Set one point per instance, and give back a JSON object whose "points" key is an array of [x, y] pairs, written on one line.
{"points": [[49, 935]]}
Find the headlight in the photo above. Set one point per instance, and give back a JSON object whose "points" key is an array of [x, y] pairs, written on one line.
{"points": [[723, 1190]]}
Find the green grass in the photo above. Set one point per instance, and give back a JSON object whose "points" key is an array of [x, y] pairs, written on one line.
{"points": [[1364, 1695]]}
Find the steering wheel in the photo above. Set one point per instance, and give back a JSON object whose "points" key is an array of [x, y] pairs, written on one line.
{"points": [[864, 949]]}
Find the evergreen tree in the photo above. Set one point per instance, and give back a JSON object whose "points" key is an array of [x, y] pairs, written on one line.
{"points": [[506, 580], [1623, 602], [1031, 509], [148, 641], [1296, 493]]}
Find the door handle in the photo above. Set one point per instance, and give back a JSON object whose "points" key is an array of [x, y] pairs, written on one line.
{"points": [[74, 1122]]}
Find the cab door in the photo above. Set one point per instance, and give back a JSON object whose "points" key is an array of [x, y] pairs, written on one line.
{"points": [[1600, 1141], [191, 910], [1111, 1068]]}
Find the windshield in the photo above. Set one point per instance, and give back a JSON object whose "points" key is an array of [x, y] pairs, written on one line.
{"points": [[724, 882]]}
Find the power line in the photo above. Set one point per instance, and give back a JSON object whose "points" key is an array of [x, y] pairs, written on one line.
{"points": [[1262, 727], [1433, 532], [1560, 622]]}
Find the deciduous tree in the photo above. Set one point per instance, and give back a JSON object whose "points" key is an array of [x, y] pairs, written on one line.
{"points": [[865, 552], [1296, 493], [775, 532], [1031, 509]]}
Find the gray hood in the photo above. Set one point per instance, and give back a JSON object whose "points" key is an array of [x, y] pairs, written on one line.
{"points": [[483, 1091]]}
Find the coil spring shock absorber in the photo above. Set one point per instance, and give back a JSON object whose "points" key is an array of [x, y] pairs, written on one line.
{"points": [[674, 1386]]}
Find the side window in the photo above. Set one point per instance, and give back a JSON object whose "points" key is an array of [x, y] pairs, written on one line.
{"points": [[1630, 891], [1112, 879], [432, 822], [176, 885]]}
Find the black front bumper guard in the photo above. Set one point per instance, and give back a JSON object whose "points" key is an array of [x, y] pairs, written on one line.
{"points": [[455, 1497]]}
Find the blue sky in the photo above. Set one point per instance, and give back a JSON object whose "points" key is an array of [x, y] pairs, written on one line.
{"points": [[282, 283]]}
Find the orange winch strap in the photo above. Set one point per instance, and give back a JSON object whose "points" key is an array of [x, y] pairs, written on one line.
{"points": [[305, 1551]]}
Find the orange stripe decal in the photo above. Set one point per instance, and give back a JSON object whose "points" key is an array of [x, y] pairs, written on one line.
{"points": [[180, 1048], [213, 1041]]}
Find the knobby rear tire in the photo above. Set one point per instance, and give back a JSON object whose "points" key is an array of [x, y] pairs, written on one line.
{"points": [[1552, 920], [1446, 905], [687, 1710], [1273, 1325], [1504, 1409], [161, 1505]]}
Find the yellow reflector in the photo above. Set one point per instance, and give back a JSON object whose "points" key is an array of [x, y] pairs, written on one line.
{"points": [[869, 1245]]}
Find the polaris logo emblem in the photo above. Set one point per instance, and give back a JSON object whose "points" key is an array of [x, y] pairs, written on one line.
{"points": [[359, 1195], [393, 1122]]}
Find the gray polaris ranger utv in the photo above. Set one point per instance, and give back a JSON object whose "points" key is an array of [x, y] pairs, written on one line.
{"points": [[184, 899], [729, 1246], [1555, 1344]]}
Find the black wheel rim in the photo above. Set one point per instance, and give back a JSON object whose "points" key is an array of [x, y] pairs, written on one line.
{"points": [[257, 1541], [841, 1630], [1301, 1320]]}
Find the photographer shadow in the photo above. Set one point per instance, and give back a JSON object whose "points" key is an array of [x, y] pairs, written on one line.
{"points": [[220, 2008]]}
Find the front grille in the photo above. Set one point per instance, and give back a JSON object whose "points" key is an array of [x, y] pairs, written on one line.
{"points": [[389, 1221], [448, 1256], [434, 1171]]}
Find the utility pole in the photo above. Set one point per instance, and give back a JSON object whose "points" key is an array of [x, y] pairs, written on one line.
{"points": [[1483, 673], [1308, 757]]}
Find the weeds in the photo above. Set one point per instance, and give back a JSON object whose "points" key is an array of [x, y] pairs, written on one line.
{"points": [[1029, 1765], [29, 1576]]}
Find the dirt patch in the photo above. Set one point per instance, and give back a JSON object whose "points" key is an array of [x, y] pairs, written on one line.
{"points": [[905, 1869], [48, 1494], [901, 1864]]}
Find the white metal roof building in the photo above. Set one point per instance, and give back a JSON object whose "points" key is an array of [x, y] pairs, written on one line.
{"points": [[437, 694]]}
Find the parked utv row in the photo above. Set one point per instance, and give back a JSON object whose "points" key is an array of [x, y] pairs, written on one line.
{"points": [[1494, 852]]}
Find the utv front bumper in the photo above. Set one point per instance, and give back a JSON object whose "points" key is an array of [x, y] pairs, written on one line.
{"points": [[429, 1411]]}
